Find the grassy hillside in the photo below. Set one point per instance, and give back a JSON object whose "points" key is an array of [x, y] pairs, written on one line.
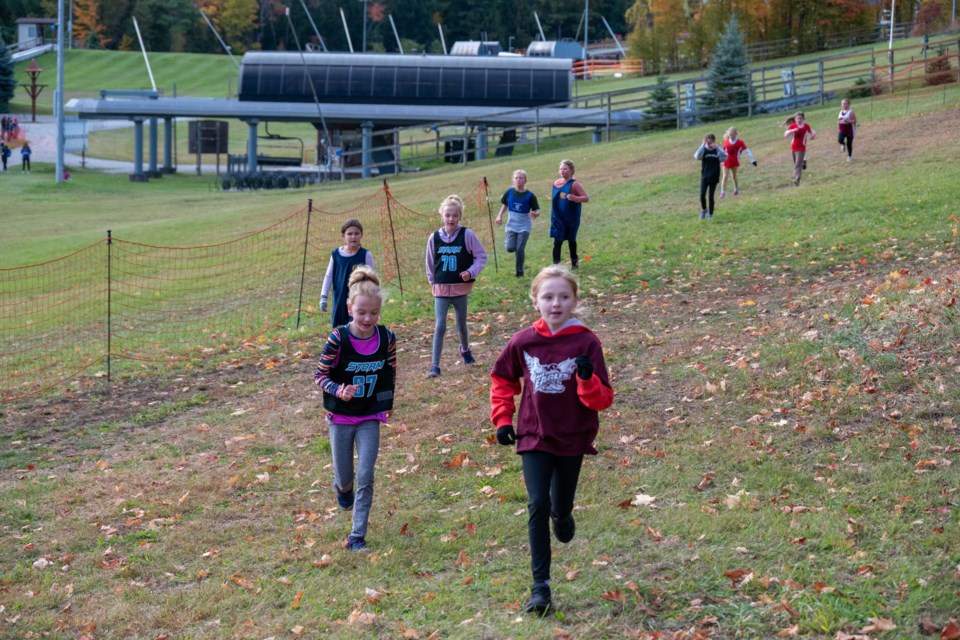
{"points": [[86, 73], [778, 462]]}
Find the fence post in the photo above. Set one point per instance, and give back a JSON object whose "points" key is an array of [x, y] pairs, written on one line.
{"points": [[909, 82], [109, 300], [486, 197], [536, 141], [892, 68], [396, 150], [609, 107], [678, 105], [303, 267], [820, 79], [393, 236], [750, 94]]}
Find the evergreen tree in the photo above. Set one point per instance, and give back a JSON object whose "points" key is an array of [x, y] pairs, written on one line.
{"points": [[729, 87], [661, 109], [8, 82]]}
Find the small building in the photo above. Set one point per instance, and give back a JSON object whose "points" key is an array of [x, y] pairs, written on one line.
{"points": [[475, 48], [565, 48], [35, 32]]}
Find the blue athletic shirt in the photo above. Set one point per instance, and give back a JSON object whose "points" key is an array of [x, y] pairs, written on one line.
{"points": [[519, 206]]}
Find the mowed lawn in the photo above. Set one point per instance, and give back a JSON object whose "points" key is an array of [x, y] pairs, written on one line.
{"points": [[779, 461]]}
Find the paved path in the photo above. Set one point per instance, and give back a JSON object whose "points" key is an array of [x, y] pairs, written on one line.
{"points": [[42, 135]]}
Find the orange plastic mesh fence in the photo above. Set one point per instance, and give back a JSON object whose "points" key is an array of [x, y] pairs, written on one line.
{"points": [[406, 231], [170, 302], [122, 299], [52, 321]]}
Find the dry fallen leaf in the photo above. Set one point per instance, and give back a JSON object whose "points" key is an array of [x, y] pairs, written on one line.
{"points": [[643, 500], [879, 624]]}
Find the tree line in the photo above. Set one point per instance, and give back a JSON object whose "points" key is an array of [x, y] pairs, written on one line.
{"points": [[666, 34], [675, 34], [176, 25]]}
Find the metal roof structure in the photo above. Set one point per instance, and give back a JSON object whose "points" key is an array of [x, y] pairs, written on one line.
{"points": [[345, 115]]}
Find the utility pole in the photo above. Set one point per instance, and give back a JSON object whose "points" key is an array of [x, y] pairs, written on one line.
{"points": [[58, 100], [364, 25], [586, 23]]}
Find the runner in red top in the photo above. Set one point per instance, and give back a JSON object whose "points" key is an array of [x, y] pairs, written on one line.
{"points": [[734, 146], [801, 132]]}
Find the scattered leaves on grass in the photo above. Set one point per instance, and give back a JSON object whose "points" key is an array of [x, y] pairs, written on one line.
{"points": [[358, 616], [459, 461], [614, 595], [738, 577], [706, 481], [950, 632], [879, 624], [643, 500], [243, 582]]}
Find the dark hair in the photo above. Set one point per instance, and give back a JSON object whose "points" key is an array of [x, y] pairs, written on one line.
{"points": [[352, 222], [710, 137]]}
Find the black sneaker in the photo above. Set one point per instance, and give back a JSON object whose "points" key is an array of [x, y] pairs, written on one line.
{"points": [[575, 264], [345, 500], [539, 602], [564, 528], [355, 544], [804, 165]]}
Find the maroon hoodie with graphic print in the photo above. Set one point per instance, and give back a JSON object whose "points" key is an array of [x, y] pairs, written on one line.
{"points": [[558, 411]]}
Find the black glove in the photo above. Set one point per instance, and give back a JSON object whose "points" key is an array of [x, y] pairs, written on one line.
{"points": [[754, 163], [584, 368], [506, 435]]}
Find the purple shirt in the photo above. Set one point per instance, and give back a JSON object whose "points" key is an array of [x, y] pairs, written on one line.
{"points": [[474, 247]]}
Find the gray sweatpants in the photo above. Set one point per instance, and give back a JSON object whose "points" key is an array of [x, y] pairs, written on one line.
{"points": [[441, 306], [366, 436]]}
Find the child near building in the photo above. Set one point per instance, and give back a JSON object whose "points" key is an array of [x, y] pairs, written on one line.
{"points": [[733, 146], [357, 370], [454, 259], [25, 153], [343, 260], [524, 209], [710, 155], [565, 205], [558, 369]]}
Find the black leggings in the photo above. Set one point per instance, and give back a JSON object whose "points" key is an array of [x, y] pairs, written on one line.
{"points": [[707, 186], [846, 141], [551, 486], [557, 244]]}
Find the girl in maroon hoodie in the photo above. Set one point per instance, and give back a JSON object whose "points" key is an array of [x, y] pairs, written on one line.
{"points": [[565, 385]]}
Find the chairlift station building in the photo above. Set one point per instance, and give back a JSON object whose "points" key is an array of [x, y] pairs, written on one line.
{"points": [[368, 92]]}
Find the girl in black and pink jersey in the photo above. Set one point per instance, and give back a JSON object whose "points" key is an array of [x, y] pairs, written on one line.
{"points": [[557, 368]]}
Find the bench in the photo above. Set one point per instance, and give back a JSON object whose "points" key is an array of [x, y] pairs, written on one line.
{"points": [[278, 161]]}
